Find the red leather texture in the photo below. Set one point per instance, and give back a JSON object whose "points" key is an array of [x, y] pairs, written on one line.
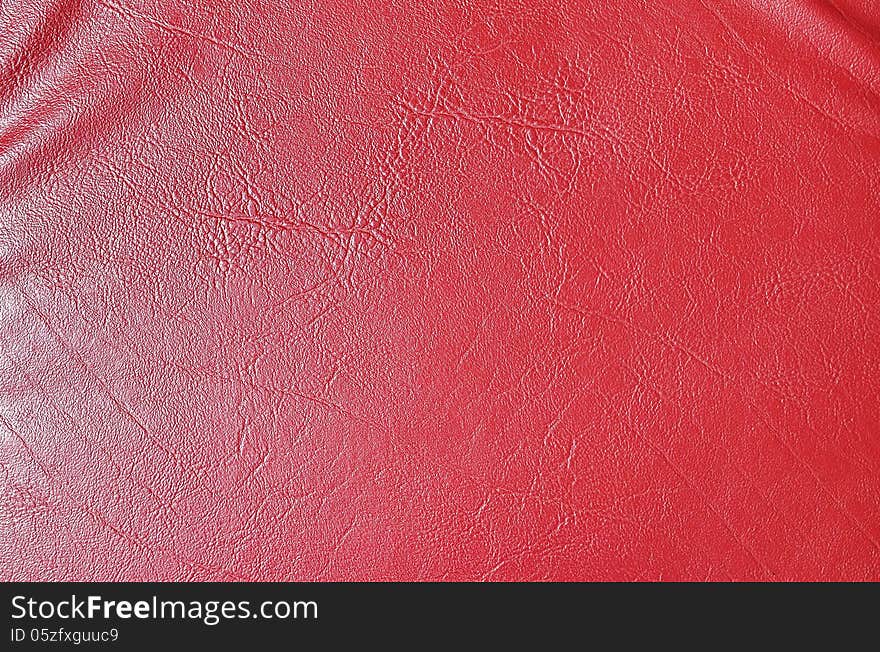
{"points": [[450, 290]]}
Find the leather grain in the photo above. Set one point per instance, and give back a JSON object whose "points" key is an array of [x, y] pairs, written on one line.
{"points": [[439, 290]]}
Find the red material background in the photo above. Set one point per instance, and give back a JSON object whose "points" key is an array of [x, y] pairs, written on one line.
{"points": [[445, 290]]}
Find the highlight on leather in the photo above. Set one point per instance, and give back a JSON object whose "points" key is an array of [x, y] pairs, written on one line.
{"points": [[477, 290]]}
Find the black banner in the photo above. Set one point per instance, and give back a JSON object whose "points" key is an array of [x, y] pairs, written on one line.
{"points": [[143, 616]]}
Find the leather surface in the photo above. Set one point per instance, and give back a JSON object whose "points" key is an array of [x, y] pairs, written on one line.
{"points": [[445, 290]]}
